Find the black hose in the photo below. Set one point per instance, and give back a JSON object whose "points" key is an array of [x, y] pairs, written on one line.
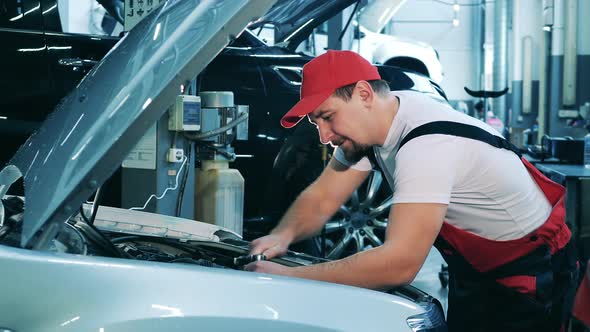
{"points": [[94, 209], [184, 181], [95, 235], [100, 238], [84, 215], [97, 198], [228, 155], [125, 238], [197, 137]]}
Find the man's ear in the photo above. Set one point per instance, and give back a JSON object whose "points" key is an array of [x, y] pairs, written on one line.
{"points": [[365, 91]]}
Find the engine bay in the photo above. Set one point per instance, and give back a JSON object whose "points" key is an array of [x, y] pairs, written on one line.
{"points": [[139, 240]]}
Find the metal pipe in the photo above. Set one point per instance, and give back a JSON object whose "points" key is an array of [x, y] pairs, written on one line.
{"points": [[527, 74], [481, 42], [542, 117], [570, 53], [500, 67], [557, 29], [554, 124]]}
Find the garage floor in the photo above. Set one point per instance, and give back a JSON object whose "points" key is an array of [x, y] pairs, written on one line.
{"points": [[427, 279]]}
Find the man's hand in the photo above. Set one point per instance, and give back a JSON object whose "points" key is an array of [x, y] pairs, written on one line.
{"points": [[270, 245], [268, 267]]}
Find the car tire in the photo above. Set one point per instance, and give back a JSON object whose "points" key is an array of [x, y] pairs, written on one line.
{"points": [[358, 225]]}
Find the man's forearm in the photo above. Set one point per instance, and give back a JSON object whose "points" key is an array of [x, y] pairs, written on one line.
{"points": [[377, 268], [306, 216], [411, 231]]}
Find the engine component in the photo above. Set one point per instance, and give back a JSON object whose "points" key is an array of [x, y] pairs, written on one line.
{"points": [[145, 252], [243, 260], [201, 262], [11, 226], [69, 240], [218, 110], [171, 251]]}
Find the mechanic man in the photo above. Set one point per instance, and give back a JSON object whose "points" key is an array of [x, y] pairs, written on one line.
{"points": [[498, 222]]}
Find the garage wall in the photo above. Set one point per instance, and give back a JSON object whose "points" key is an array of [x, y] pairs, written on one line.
{"points": [[75, 15], [82, 16], [431, 21], [557, 124], [583, 91], [525, 56]]}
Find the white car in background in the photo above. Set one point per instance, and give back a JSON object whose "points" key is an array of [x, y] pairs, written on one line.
{"points": [[400, 52], [393, 50], [289, 20], [382, 49]]}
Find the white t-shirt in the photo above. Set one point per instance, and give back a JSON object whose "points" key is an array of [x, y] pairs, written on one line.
{"points": [[488, 190]]}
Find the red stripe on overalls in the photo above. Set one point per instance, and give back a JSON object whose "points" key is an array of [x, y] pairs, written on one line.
{"points": [[485, 255]]}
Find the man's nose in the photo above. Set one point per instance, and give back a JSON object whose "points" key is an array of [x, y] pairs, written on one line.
{"points": [[325, 133]]}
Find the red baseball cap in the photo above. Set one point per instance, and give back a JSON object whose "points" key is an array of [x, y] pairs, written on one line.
{"points": [[323, 75]]}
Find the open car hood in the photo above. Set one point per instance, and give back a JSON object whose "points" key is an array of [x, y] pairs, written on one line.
{"points": [[295, 19], [87, 137]]}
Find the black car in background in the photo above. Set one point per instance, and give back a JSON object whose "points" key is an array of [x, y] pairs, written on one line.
{"points": [[39, 65], [41, 61]]}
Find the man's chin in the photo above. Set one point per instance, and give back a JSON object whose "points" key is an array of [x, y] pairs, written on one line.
{"points": [[355, 153]]}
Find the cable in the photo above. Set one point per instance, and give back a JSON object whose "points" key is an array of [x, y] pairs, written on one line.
{"points": [[165, 191], [183, 183], [99, 238], [228, 155], [259, 69], [95, 235], [93, 208], [84, 215], [116, 240]]}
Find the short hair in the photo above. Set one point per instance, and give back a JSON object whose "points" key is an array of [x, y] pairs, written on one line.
{"points": [[379, 86]]}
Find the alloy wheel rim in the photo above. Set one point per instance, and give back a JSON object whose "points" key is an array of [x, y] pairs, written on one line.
{"points": [[360, 223]]}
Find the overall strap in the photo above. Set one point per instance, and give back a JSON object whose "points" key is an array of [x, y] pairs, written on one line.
{"points": [[461, 130]]}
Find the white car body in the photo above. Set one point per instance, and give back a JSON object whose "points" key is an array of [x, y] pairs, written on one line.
{"points": [[291, 22], [391, 50], [51, 291], [385, 49], [382, 49]]}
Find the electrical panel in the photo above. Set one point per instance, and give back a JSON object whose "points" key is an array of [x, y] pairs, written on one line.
{"points": [[185, 114]]}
